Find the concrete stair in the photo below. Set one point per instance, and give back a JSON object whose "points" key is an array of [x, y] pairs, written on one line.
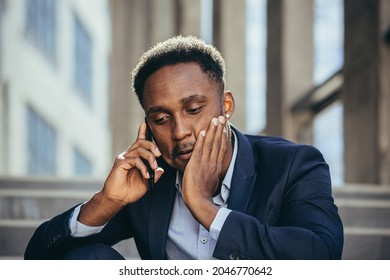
{"points": [[365, 211], [26, 203]]}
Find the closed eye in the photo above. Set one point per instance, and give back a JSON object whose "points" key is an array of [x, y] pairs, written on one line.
{"points": [[161, 121], [194, 111]]}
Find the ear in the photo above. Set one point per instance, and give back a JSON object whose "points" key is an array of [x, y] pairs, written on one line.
{"points": [[228, 104]]}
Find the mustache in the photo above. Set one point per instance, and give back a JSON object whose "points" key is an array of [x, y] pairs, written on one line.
{"points": [[183, 148]]}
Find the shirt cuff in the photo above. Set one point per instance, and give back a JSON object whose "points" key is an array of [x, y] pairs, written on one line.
{"points": [[219, 220], [78, 229]]}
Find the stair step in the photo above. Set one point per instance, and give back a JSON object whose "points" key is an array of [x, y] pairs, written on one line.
{"points": [[22, 202], [366, 231], [364, 213], [36, 207], [15, 234], [25, 203], [362, 191], [366, 246], [14, 239]]}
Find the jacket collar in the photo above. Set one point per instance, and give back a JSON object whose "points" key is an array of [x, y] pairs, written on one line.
{"points": [[161, 206], [244, 175]]}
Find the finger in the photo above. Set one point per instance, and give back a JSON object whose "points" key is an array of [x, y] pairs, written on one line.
{"points": [[224, 145], [198, 148], [209, 140], [126, 163], [158, 173], [142, 160], [218, 137], [142, 131], [141, 135], [140, 165], [145, 144], [148, 156]]}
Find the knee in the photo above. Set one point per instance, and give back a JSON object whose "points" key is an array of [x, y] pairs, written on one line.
{"points": [[94, 251]]}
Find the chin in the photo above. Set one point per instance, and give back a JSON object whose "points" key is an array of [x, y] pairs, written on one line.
{"points": [[181, 166]]}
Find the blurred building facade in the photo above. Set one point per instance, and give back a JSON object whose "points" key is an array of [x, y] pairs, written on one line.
{"points": [[54, 88], [331, 110], [75, 109], [344, 112], [138, 25]]}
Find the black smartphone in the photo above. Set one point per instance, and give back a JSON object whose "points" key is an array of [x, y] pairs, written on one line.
{"points": [[149, 137]]}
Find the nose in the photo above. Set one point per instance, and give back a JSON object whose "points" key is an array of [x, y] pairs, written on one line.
{"points": [[181, 129]]}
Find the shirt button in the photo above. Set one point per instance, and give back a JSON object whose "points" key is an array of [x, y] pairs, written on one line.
{"points": [[233, 256], [204, 240]]}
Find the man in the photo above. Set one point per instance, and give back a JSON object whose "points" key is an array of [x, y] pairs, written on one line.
{"points": [[218, 193]]}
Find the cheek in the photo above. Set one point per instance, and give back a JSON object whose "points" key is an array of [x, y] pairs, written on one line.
{"points": [[204, 123], [201, 125], [163, 143]]}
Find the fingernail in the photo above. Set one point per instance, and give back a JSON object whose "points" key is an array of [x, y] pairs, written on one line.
{"points": [[157, 151], [224, 130], [202, 133], [221, 119], [160, 169], [215, 121], [155, 164]]}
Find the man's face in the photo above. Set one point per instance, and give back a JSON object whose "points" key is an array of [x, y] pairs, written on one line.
{"points": [[179, 101]]}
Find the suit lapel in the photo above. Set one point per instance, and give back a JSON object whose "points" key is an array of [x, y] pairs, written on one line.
{"points": [[160, 211], [244, 175]]}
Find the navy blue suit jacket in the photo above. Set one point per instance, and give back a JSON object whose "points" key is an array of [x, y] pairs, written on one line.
{"points": [[281, 201]]}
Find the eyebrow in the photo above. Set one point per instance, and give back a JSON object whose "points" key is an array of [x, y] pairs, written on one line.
{"points": [[183, 101], [192, 98]]}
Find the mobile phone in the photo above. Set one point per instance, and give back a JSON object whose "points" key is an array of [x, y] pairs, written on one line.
{"points": [[149, 137]]}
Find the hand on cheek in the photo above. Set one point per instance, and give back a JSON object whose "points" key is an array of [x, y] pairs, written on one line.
{"points": [[202, 175]]}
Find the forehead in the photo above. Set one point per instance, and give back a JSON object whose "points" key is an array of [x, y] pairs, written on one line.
{"points": [[176, 82]]}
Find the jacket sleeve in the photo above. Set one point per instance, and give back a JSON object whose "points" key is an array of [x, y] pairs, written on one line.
{"points": [[52, 238], [306, 224]]}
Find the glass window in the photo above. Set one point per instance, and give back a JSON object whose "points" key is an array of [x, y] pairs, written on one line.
{"points": [[83, 62], [328, 38], [83, 166], [256, 32], [328, 59], [42, 145], [41, 25], [2, 7], [206, 22], [328, 138]]}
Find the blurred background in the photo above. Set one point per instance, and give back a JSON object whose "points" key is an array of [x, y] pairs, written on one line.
{"points": [[312, 71]]}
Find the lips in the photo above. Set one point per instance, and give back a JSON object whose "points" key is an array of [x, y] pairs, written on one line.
{"points": [[184, 154]]}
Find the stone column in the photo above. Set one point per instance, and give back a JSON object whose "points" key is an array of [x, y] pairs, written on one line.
{"points": [[4, 134], [384, 99], [366, 92], [231, 42], [130, 33], [189, 17], [289, 63], [274, 67], [136, 25], [162, 20]]}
